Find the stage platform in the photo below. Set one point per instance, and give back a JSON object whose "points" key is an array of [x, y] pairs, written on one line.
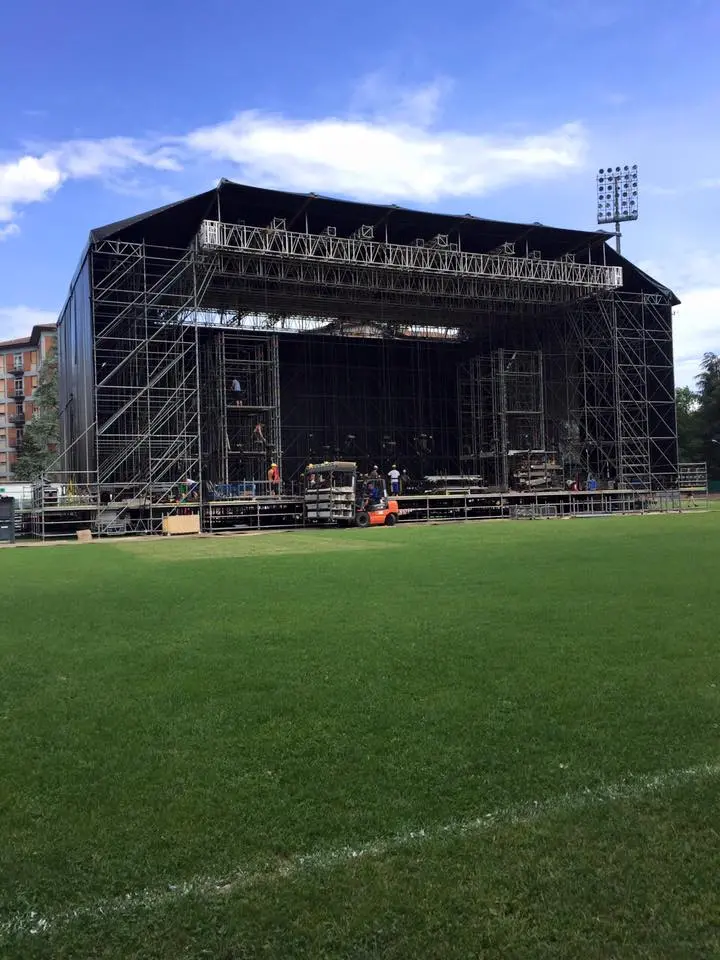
{"points": [[224, 516], [140, 517], [64, 520]]}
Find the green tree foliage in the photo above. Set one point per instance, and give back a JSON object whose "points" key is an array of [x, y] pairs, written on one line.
{"points": [[708, 383], [42, 433], [688, 426], [698, 417]]}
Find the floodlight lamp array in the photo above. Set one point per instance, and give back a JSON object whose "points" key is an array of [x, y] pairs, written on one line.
{"points": [[617, 194]]}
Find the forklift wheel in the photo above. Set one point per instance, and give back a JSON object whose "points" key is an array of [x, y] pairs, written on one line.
{"points": [[362, 520], [391, 520]]}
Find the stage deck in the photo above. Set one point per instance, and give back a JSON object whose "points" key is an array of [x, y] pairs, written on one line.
{"points": [[63, 520]]}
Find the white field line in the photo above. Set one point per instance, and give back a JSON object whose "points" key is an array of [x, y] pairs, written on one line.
{"points": [[633, 787]]}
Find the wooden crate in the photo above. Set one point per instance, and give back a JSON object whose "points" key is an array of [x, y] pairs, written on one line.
{"points": [[187, 523]]}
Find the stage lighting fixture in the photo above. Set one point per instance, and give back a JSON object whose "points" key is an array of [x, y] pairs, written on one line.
{"points": [[617, 196]]}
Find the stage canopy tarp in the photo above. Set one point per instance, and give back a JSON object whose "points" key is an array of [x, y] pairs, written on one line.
{"points": [[175, 225]]}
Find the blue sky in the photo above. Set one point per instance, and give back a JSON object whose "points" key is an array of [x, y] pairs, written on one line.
{"points": [[501, 110]]}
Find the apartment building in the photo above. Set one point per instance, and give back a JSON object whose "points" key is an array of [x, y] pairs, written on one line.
{"points": [[20, 362]]}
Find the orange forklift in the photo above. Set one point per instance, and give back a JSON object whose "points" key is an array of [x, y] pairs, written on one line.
{"points": [[334, 493]]}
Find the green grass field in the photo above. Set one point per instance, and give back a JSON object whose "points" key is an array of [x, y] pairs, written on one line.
{"points": [[483, 740]]}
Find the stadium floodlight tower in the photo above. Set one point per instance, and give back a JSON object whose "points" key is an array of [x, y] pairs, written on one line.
{"points": [[617, 196]]}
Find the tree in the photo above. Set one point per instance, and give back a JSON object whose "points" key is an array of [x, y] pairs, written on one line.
{"points": [[708, 413], [698, 417], [42, 433], [688, 426]]}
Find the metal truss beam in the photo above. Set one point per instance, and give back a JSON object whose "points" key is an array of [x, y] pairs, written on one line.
{"points": [[421, 286], [271, 244], [261, 295]]}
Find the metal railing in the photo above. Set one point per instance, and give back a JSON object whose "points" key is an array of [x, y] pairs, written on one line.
{"points": [[73, 503], [281, 243]]}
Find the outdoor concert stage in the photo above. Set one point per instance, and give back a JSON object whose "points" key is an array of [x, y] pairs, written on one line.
{"points": [[240, 327], [138, 517]]}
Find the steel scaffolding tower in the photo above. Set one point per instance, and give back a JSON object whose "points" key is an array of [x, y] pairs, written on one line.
{"points": [[621, 405], [502, 404], [147, 399], [563, 355], [241, 425]]}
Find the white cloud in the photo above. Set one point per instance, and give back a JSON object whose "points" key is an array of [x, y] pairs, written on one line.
{"points": [[681, 190], [377, 96], [9, 230], [656, 190], [696, 330], [695, 278], [35, 177], [95, 158], [25, 180], [386, 146], [18, 321], [380, 159]]}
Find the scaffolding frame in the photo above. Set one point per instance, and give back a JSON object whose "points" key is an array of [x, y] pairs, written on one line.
{"points": [[620, 387], [327, 251], [242, 428], [501, 399], [147, 427], [171, 327]]}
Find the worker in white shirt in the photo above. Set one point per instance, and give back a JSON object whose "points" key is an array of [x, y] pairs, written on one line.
{"points": [[394, 476]]}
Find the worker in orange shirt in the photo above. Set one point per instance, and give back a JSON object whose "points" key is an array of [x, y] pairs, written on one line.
{"points": [[274, 479]]}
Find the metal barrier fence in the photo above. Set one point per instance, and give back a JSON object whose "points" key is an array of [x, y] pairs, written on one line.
{"points": [[59, 510], [266, 513], [428, 507]]}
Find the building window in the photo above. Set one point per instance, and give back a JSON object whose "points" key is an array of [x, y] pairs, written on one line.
{"points": [[18, 386], [18, 358], [18, 408]]}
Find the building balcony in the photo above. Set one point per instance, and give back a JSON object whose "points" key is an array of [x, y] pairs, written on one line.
{"points": [[13, 367], [17, 418]]}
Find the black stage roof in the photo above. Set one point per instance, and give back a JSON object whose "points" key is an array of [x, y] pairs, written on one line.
{"points": [[175, 225]]}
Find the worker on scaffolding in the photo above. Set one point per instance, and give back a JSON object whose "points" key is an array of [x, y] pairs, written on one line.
{"points": [[273, 476], [236, 391], [259, 434], [186, 492], [394, 477]]}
